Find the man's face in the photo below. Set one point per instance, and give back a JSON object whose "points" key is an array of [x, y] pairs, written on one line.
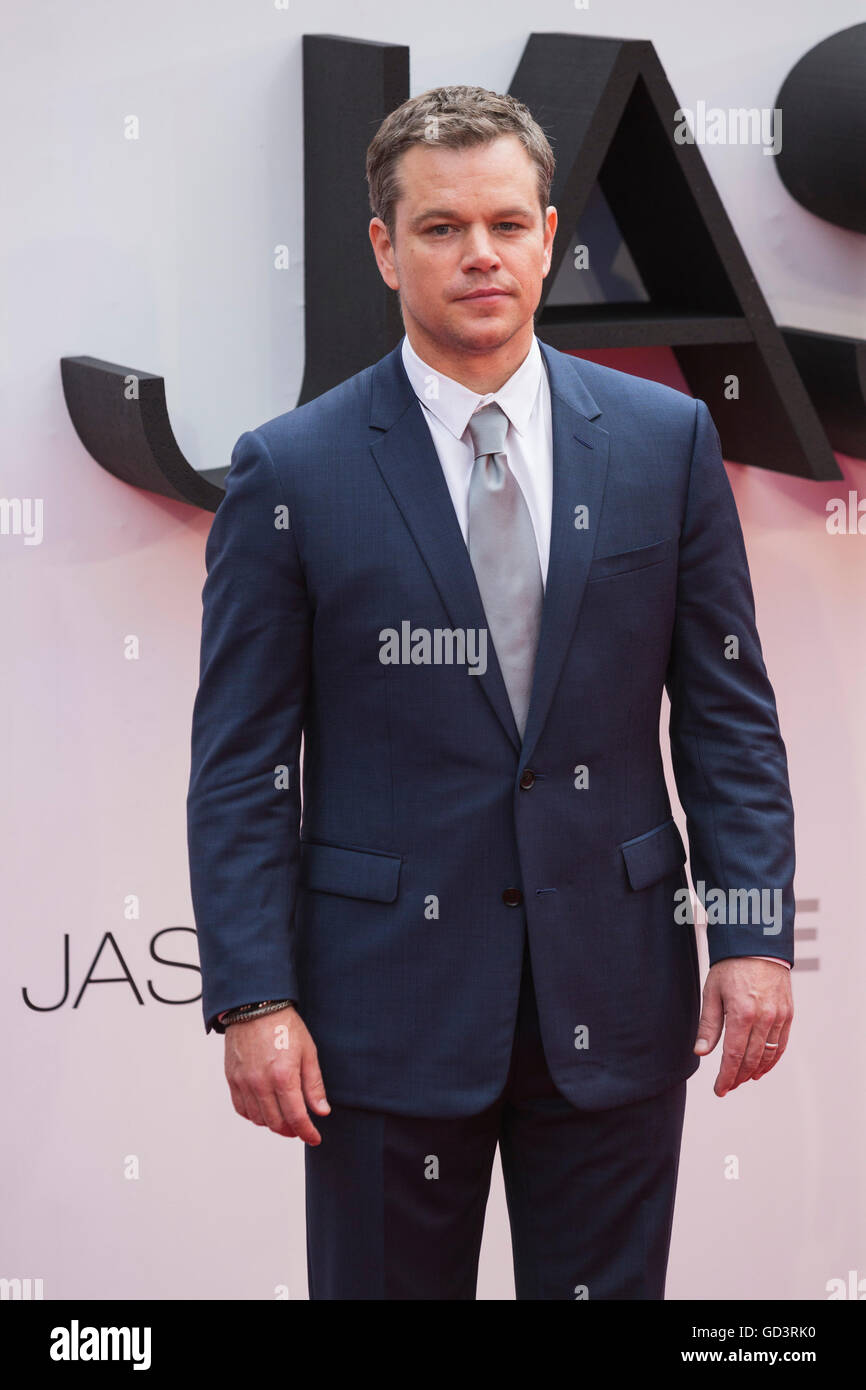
{"points": [[469, 220]]}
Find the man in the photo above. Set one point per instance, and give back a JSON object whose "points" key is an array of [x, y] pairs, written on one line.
{"points": [[466, 576]]}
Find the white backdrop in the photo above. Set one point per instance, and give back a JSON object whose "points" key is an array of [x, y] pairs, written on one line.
{"points": [[126, 1173]]}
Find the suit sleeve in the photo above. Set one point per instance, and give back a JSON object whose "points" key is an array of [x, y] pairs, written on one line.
{"points": [[243, 803], [728, 756]]}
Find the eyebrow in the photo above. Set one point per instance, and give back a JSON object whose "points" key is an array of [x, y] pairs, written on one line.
{"points": [[448, 215]]}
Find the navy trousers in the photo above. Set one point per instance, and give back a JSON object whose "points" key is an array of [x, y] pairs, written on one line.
{"points": [[395, 1204]]}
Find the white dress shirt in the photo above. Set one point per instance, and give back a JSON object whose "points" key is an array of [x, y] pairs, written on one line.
{"points": [[525, 398]]}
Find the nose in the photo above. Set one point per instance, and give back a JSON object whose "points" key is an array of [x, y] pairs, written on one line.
{"points": [[479, 251]]}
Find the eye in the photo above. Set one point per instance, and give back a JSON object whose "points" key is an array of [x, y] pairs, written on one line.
{"points": [[448, 227]]}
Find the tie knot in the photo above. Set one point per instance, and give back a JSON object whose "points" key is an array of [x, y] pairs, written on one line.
{"points": [[488, 428]]}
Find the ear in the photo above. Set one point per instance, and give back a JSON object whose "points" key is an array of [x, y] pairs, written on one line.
{"points": [[551, 219], [383, 250]]}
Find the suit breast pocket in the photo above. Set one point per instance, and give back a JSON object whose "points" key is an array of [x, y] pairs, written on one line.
{"points": [[627, 561], [349, 872]]}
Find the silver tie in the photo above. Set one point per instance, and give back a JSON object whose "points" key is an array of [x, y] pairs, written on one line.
{"points": [[504, 555]]}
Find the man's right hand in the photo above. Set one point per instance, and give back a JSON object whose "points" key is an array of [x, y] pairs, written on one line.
{"points": [[272, 1068]]}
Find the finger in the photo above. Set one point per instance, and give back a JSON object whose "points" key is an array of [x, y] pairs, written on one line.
{"points": [[755, 1052], [311, 1082], [291, 1102], [252, 1108], [770, 1054], [779, 1036], [273, 1115], [737, 1034], [711, 1020], [786, 1030], [237, 1099]]}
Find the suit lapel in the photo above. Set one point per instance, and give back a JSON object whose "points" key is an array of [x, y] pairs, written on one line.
{"points": [[580, 461], [407, 459]]}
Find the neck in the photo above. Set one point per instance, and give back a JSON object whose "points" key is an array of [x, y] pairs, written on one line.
{"points": [[480, 371]]}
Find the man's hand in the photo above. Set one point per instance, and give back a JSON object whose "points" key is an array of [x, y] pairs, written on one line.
{"points": [[752, 999], [272, 1068]]}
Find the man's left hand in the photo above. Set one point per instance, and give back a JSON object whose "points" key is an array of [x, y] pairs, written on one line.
{"points": [[752, 1000]]}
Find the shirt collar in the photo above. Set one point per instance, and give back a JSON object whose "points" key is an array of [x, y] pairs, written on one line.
{"points": [[453, 403]]}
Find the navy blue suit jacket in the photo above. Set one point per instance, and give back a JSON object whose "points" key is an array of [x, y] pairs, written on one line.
{"points": [[432, 840]]}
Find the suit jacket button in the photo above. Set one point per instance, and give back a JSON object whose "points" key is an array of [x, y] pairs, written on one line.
{"points": [[527, 778], [512, 897]]}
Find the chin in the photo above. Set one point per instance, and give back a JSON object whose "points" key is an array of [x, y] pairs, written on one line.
{"points": [[493, 335], [492, 329]]}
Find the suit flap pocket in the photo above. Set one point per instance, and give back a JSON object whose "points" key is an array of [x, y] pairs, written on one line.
{"points": [[351, 873], [651, 856], [604, 566]]}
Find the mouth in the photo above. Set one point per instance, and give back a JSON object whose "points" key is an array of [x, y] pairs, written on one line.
{"points": [[489, 292]]}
